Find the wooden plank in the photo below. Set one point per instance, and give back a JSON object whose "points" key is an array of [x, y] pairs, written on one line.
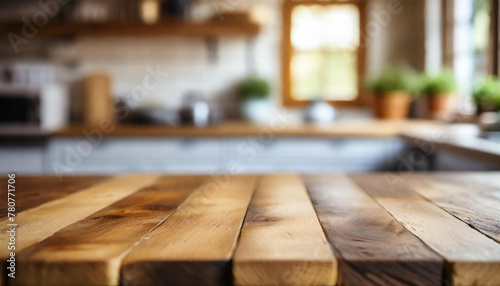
{"points": [[36, 224], [281, 241], [475, 203], [169, 27], [89, 252], [197, 241], [34, 191], [361, 128], [371, 246], [471, 257]]}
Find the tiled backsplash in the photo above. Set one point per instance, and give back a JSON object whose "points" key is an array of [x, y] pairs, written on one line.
{"points": [[186, 60], [190, 67]]}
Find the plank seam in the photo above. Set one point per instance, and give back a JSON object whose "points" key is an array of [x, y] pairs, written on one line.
{"points": [[334, 249], [158, 225], [65, 196], [256, 185], [443, 270], [448, 212], [103, 182]]}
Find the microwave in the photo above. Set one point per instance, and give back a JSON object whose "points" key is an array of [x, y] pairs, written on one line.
{"points": [[28, 109]]}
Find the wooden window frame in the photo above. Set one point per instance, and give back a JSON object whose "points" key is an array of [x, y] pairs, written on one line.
{"points": [[288, 7], [495, 33], [448, 31]]}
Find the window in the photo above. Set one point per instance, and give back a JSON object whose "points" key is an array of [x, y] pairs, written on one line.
{"points": [[470, 39], [323, 53]]}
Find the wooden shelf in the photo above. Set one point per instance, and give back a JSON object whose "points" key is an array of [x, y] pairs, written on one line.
{"points": [[165, 28]]}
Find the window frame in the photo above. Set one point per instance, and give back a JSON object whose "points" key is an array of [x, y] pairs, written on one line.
{"points": [[288, 6], [448, 33], [495, 33]]}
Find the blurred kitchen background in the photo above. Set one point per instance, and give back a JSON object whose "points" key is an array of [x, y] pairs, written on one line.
{"points": [[193, 86]]}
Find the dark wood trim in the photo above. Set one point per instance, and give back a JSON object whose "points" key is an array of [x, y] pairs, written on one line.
{"points": [[171, 27], [494, 37]]}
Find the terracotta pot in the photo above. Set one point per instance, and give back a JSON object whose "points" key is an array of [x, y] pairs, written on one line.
{"points": [[392, 105], [440, 105]]}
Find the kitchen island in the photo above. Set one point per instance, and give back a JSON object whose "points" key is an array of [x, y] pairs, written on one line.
{"points": [[281, 229]]}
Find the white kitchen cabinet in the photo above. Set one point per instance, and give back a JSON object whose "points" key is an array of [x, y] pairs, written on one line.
{"points": [[118, 155], [221, 155], [22, 159], [305, 155]]}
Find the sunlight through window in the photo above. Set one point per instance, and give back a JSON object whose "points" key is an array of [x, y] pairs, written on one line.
{"points": [[325, 40]]}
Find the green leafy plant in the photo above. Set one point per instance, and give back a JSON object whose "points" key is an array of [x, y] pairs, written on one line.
{"points": [[394, 79], [254, 88], [441, 83], [486, 94]]}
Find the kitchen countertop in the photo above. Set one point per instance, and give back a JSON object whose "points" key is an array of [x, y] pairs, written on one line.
{"points": [[456, 142], [150, 229], [348, 128]]}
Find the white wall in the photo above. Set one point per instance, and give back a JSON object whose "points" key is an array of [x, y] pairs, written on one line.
{"points": [[186, 60], [399, 38], [396, 33]]}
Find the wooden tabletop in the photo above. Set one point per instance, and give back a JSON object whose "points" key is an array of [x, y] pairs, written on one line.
{"points": [[278, 128], [283, 229]]}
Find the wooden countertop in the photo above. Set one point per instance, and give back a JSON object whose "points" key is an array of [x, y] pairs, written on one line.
{"points": [[474, 147], [354, 128], [148, 229]]}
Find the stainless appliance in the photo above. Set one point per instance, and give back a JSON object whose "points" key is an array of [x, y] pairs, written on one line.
{"points": [[26, 110]]}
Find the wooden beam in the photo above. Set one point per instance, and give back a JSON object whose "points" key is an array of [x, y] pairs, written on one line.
{"points": [[37, 224], [281, 241], [471, 258], [166, 28], [89, 252], [194, 246], [473, 202], [371, 246], [36, 191]]}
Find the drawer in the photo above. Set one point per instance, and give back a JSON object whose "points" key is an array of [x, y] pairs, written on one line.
{"points": [[312, 148], [137, 155], [139, 148]]}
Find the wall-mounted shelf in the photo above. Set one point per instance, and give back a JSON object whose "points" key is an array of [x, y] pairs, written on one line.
{"points": [[232, 25], [172, 27]]}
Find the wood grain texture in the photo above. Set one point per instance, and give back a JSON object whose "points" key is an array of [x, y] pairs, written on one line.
{"points": [[38, 223], [194, 246], [473, 202], [34, 191], [371, 246], [362, 128], [89, 252], [471, 258], [281, 241], [170, 27]]}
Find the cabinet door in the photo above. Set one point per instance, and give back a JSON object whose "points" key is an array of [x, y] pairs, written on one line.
{"points": [[314, 154], [22, 160], [170, 155]]}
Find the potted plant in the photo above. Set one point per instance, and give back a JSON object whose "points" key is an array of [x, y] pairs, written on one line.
{"points": [[254, 93], [440, 90], [486, 95], [392, 92]]}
